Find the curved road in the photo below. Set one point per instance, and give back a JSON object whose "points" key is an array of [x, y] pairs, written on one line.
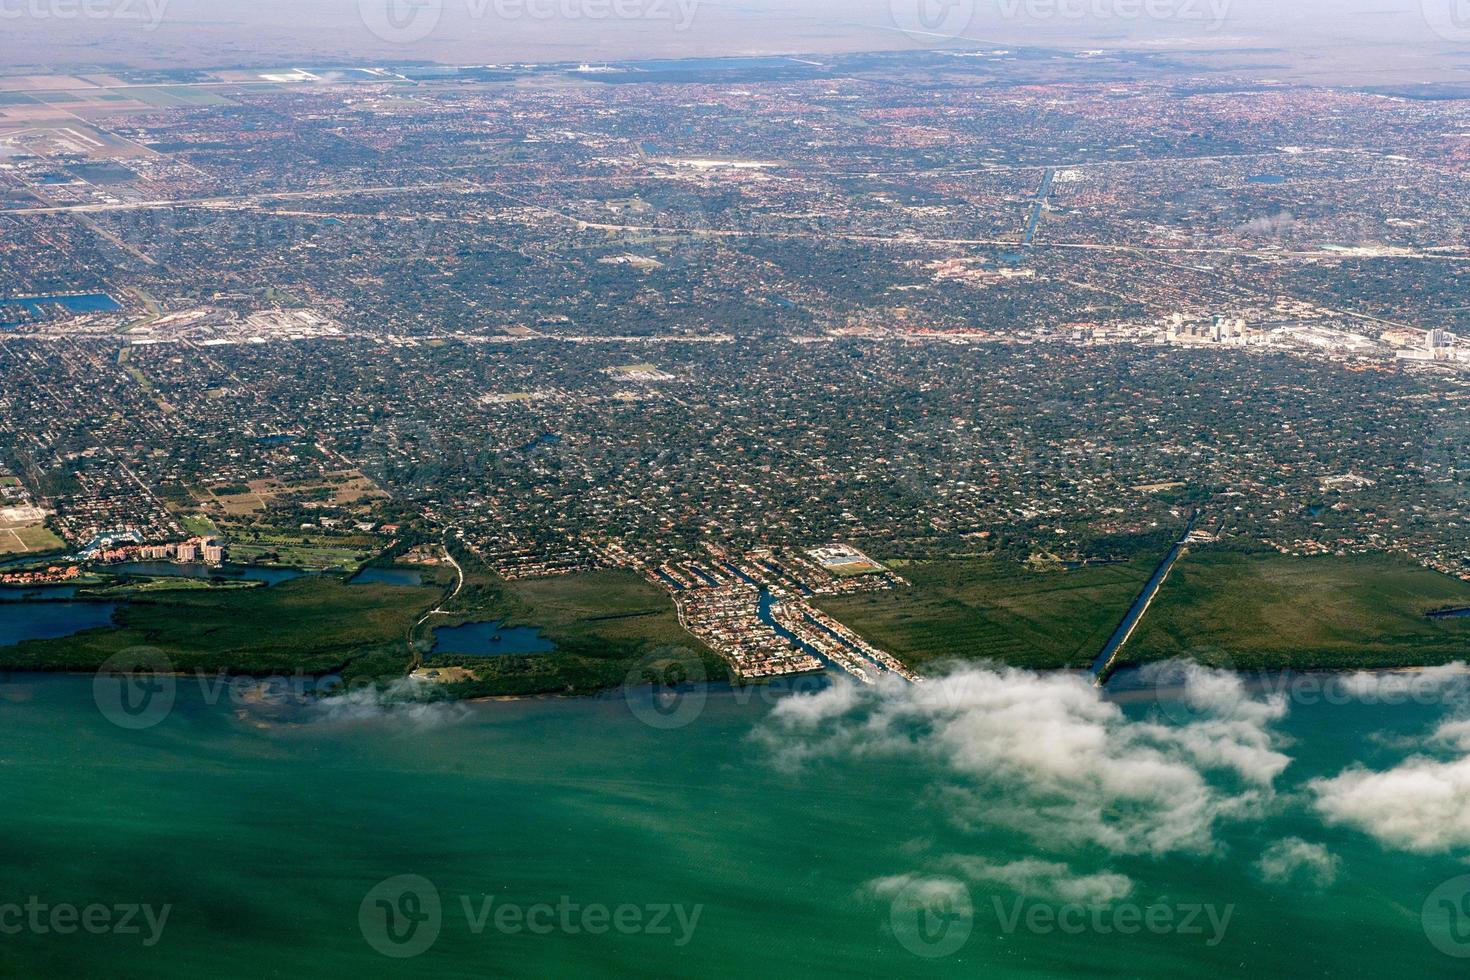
{"points": [[438, 610]]}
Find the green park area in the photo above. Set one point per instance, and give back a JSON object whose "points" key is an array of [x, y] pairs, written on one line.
{"points": [[605, 624], [1263, 611], [315, 624], [318, 552], [992, 609], [1223, 607]]}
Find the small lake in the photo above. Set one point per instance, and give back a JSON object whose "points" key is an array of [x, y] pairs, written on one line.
{"points": [[48, 620], [1461, 613], [386, 576], [31, 593], [490, 640], [1271, 179], [167, 569], [79, 303]]}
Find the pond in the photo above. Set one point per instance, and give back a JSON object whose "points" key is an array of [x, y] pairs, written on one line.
{"points": [[18, 310], [40, 620], [387, 576], [75, 303], [168, 569], [490, 639], [30, 593]]}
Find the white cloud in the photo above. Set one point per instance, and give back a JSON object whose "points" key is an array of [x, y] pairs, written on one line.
{"points": [[1455, 734], [1428, 685], [1422, 804], [1274, 225], [1047, 756], [1293, 857], [925, 891], [402, 702], [1047, 880]]}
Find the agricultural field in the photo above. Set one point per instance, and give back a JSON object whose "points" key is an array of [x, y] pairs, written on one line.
{"points": [[163, 96], [991, 609], [23, 531], [1263, 611]]}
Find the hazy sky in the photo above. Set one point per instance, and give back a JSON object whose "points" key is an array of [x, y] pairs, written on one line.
{"points": [[1406, 38]]}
